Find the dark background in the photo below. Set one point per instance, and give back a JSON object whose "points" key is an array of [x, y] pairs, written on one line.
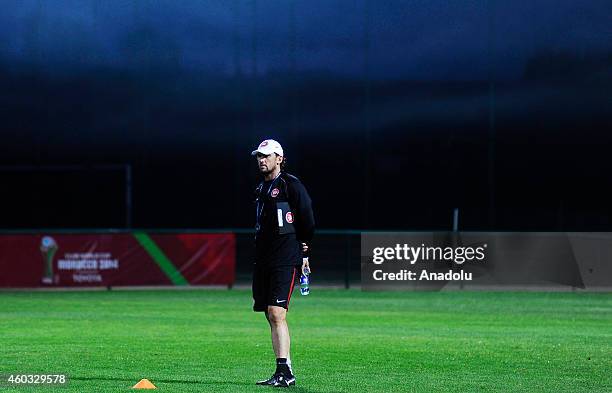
{"points": [[392, 113]]}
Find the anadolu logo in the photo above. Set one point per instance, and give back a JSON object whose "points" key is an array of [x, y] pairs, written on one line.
{"points": [[289, 217], [274, 193]]}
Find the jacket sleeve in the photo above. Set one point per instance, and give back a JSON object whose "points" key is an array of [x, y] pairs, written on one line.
{"points": [[301, 204]]}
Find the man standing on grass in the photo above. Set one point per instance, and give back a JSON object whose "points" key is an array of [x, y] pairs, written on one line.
{"points": [[284, 229]]}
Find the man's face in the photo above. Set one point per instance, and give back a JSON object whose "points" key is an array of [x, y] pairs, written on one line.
{"points": [[268, 163]]}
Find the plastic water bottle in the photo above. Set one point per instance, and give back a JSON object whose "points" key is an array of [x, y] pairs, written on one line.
{"points": [[305, 282]]}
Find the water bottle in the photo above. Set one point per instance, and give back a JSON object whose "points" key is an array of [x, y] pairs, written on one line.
{"points": [[305, 282]]}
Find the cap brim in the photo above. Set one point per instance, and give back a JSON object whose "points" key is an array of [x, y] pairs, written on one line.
{"points": [[264, 152]]}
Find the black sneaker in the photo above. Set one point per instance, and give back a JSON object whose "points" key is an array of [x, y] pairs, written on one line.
{"points": [[279, 380], [284, 381], [269, 381]]}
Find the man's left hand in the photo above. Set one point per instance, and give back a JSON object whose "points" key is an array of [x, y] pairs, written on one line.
{"points": [[305, 265]]}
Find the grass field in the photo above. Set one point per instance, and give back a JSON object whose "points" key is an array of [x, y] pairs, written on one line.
{"points": [[343, 341]]}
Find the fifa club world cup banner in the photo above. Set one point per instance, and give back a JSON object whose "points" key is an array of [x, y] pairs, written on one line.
{"points": [[124, 259]]}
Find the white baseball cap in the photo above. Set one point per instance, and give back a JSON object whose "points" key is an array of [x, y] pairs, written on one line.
{"points": [[268, 146]]}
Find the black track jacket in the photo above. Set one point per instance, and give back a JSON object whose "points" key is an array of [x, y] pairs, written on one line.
{"points": [[284, 221]]}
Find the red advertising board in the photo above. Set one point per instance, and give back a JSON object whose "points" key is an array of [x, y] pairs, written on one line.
{"points": [[124, 259]]}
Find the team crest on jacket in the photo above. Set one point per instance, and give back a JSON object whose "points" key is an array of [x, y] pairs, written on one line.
{"points": [[274, 192], [289, 217]]}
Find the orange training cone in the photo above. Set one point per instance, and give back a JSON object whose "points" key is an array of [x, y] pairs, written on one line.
{"points": [[144, 384]]}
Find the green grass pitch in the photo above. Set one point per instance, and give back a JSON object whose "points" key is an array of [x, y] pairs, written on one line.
{"points": [[343, 341]]}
